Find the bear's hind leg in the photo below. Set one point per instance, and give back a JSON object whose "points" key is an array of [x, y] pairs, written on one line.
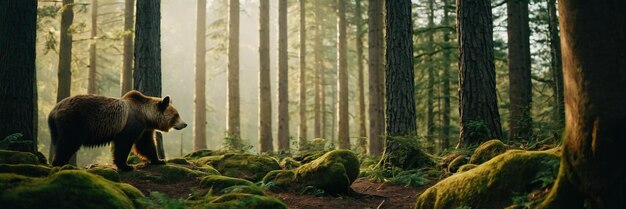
{"points": [[64, 150], [144, 148]]}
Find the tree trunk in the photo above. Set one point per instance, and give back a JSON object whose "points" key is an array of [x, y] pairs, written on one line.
{"points": [[520, 86], [283, 78], [265, 97], [478, 107], [65, 61], [127, 66], [594, 69], [91, 80], [400, 83], [234, 132], [445, 79], [376, 77], [430, 123], [199, 125], [555, 64], [303, 119], [362, 139], [343, 130], [147, 75], [18, 94], [317, 120]]}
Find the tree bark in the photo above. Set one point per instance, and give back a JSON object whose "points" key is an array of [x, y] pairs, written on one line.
{"points": [[127, 62], [303, 126], [400, 75], [147, 75], [343, 130], [18, 90], [594, 68], [234, 131], [265, 97], [555, 64], [445, 79], [91, 80], [362, 139], [317, 44], [283, 78], [376, 84], [430, 121], [199, 125], [520, 86], [478, 107]]}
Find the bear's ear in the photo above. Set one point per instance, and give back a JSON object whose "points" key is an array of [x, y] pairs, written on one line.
{"points": [[163, 104]]}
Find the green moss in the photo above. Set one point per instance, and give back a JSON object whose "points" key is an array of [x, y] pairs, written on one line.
{"points": [[174, 173], [25, 169], [180, 161], [242, 200], [467, 167], [238, 165], [456, 163], [289, 163], [13, 157], [208, 169], [10, 180], [487, 150], [405, 153], [223, 184], [70, 189], [133, 159], [333, 172], [107, 173], [490, 185], [306, 157], [204, 153]]}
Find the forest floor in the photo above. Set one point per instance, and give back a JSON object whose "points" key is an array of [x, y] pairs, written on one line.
{"points": [[368, 194]]}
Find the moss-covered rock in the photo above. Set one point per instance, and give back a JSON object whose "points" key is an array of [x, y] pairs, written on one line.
{"points": [[289, 163], [457, 162], [25, 169], [208, 169], [204, 153], [466, 167], [308, 156], [180, 161], [107, 173], [71, 189], [219, 185], [13, 157], [243, 200], [11, 180], [239, 165], [164, 174], [491, 184], [334, 173], [487, 150]]}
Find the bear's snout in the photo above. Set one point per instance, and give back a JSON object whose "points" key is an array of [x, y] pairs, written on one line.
{"points": [[180, 125]]}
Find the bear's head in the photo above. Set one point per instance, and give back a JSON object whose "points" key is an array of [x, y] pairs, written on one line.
{"points": [[168, 116]]}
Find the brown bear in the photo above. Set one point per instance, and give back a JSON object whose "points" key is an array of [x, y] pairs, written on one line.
{"points": [[130, 122]]}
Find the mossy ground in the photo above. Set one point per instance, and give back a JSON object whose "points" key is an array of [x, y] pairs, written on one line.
{"points": [[240, 165], [14, 157], [487, 150]]}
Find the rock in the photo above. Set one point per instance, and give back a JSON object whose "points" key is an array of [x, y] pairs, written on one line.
{"points": [[14, 157], [239, 165], [164, 174], [334, 172], [487, 150], [204, 153], [491, 184], [180, 161], [107, 173], [456, 163], [72, 189], [219, 185], [305, 157], [243, 200], [25, 169]]}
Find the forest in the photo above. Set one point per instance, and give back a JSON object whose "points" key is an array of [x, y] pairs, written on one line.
{"points": [[420, 104]]}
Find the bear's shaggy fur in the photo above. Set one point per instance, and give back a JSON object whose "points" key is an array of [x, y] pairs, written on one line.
{"points": [[129, 122]]}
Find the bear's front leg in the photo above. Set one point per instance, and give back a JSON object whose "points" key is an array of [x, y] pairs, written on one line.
{"points": [[121, 149], [145, 148]]}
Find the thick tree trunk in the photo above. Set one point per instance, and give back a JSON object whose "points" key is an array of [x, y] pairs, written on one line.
{"points": [[283, 78], [343, 130], [199, 125], [592, 174], [147, 75], [376, 106], [303, 127], [127, 62], [520, 86], [265, 97], [430, 123], [445, 79], [400, 82], [91, 80], [234, 132], [18, 94], [555, 64], [362, 139], [478, 107]]}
